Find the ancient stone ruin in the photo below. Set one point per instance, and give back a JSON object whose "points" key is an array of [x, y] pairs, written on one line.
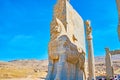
{"points": [[109, 66], [67, 44], [91, 66], [118, 5], [108, 61]]}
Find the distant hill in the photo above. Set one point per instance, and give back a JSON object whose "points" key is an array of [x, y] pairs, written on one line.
{"points": [[38, 68]]}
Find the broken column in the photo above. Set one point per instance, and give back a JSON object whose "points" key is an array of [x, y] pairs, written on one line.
{"points": [[91, 66], [109, 67]]}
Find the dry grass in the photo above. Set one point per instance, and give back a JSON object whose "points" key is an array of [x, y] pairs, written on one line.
{"points": [[7, 73], [37, 70], [13, 73]]}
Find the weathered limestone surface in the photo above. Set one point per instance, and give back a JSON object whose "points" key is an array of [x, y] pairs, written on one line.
{"points": [[91, 66], [115, 52], [67, 44], [109, 67], [118, 5]]}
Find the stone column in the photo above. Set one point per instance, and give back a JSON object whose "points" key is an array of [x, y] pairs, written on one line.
{"points": [[91, 65], [109, 68], [118, 5]]}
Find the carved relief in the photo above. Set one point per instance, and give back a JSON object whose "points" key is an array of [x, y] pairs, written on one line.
{"points": [[66, 59], [74, 38], [88, 28]]}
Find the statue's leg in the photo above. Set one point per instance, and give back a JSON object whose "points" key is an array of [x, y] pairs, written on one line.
{"points": [[82, 67], [50, 69], [85, 78], [62, 59]]}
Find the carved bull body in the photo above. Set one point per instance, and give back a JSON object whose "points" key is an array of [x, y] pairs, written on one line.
{"points": [[64, 54]]}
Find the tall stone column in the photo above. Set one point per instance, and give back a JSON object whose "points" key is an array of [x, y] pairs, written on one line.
{"points": [[91, 65], [109, 67], [118, 5]]}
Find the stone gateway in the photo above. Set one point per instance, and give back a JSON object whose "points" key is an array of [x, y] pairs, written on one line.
{"points": [[67, 44]]}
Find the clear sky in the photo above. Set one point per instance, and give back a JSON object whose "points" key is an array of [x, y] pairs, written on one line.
{"points": [[25, 26]]}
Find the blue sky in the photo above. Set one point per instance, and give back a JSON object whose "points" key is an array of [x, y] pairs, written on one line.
{"points": [[25, 26]]}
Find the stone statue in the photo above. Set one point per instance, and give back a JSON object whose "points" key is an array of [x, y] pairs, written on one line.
{"points": [[67, 44]]}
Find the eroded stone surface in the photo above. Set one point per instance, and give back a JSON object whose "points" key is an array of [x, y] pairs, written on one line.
{"points": [[67, 44], [109, 67], [118, 5], [108, 62], [91, 65]]}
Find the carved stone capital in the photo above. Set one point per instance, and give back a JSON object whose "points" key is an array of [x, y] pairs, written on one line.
{"points": [[107, 50], [88, 30], [88, 23], [89, 37]]}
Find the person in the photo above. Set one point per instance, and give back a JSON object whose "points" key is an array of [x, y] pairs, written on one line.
{"points": [[111, 78], [118, 76], [115, 77]]}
